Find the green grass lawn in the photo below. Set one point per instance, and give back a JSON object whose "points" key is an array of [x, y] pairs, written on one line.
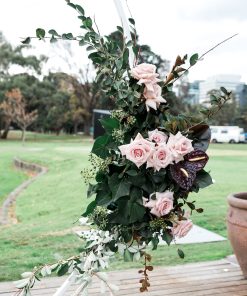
{"points": [[49, 207]]}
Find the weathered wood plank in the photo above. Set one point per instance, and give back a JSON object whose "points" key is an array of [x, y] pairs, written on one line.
{"points": [[207, 278]]}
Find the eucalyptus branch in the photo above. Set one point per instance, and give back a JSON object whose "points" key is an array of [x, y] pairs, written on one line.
{"points": [[38, 271], [211, 112]]}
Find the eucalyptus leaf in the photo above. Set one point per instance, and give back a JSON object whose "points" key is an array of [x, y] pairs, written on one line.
{"points": [[40, 33]]}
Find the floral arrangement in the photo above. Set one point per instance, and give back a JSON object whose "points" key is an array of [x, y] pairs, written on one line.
{"points": [[144, 166]]}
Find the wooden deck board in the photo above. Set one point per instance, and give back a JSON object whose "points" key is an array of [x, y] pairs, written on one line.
{"points": [[220, 278]]}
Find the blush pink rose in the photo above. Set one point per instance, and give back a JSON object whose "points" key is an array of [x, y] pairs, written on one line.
{"points": [[145, 73], [153, 96], [157, 136], [160, 158], [181, 228], [162, 205], [179, 146], [138, 151]]}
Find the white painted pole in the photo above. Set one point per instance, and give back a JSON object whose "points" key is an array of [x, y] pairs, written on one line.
{"points": [[67, 283], [126, 28]]}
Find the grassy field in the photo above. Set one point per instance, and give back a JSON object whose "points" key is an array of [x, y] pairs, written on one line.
{"points": [[48, 209]]}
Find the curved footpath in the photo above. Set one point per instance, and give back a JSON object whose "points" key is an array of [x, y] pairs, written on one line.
{"points": [[37, 170]]}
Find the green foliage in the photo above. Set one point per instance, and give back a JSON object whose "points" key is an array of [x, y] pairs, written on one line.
{"points": [[203, 179], [194, 59], [100, 146], [181, 254], [109, 124], [40, 33]]}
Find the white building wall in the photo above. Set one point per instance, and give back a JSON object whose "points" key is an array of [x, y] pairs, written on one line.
{"points": [[230, 82]]}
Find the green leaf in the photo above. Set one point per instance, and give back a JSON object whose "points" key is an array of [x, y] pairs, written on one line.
{"points": [[181, 254], [88, 22], [136, 211], [126, 56], [128, 256], [120, 29], [90, 48], [71, 5], [119, 64], [203, 179], [119, 187], [194, 59], [63, 269], [80, 9], [224, 90], [99, 147], [155, 242], [103, 197], [95, 57], [26, 41], [109, 124], [191, 205], [132, 21], [40, 33], [199, 210], [138, 180], [53, 40], [129, 43], [92, 189], [132, 173], [136, 194], [54, 33], [90, 208], [167, 237], [68, 36], [82, 42]]}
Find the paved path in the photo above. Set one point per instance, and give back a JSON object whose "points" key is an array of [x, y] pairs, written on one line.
{"points": [[220, 278], [200, 235]]}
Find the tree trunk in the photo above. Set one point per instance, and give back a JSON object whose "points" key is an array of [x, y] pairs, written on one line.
{"points": [[75, 128], [87, 126], [23, 136], [6, 130]]}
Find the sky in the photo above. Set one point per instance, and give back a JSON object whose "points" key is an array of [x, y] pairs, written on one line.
{"points": [[169, 27]]}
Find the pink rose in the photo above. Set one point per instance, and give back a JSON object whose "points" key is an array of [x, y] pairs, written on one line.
{"points": [[160, 158], [145, 73], [157, 136], [153, 97], [179, 146], [138, 151], [181, 228], [160, 206]]}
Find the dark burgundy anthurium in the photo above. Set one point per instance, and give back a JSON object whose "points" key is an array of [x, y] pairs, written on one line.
{"points": [[184, 172]]}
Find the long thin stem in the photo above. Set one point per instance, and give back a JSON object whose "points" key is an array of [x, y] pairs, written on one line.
{"points": [[201, 57]]}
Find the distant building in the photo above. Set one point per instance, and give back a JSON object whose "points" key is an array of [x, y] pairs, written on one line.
{"points": [[194, 92], [242, 95], [230, 82]]}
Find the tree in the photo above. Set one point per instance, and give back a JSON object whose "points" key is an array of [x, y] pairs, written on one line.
{"points": [[84, 99], [10, 56], [14, 108], [7, 109]]}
